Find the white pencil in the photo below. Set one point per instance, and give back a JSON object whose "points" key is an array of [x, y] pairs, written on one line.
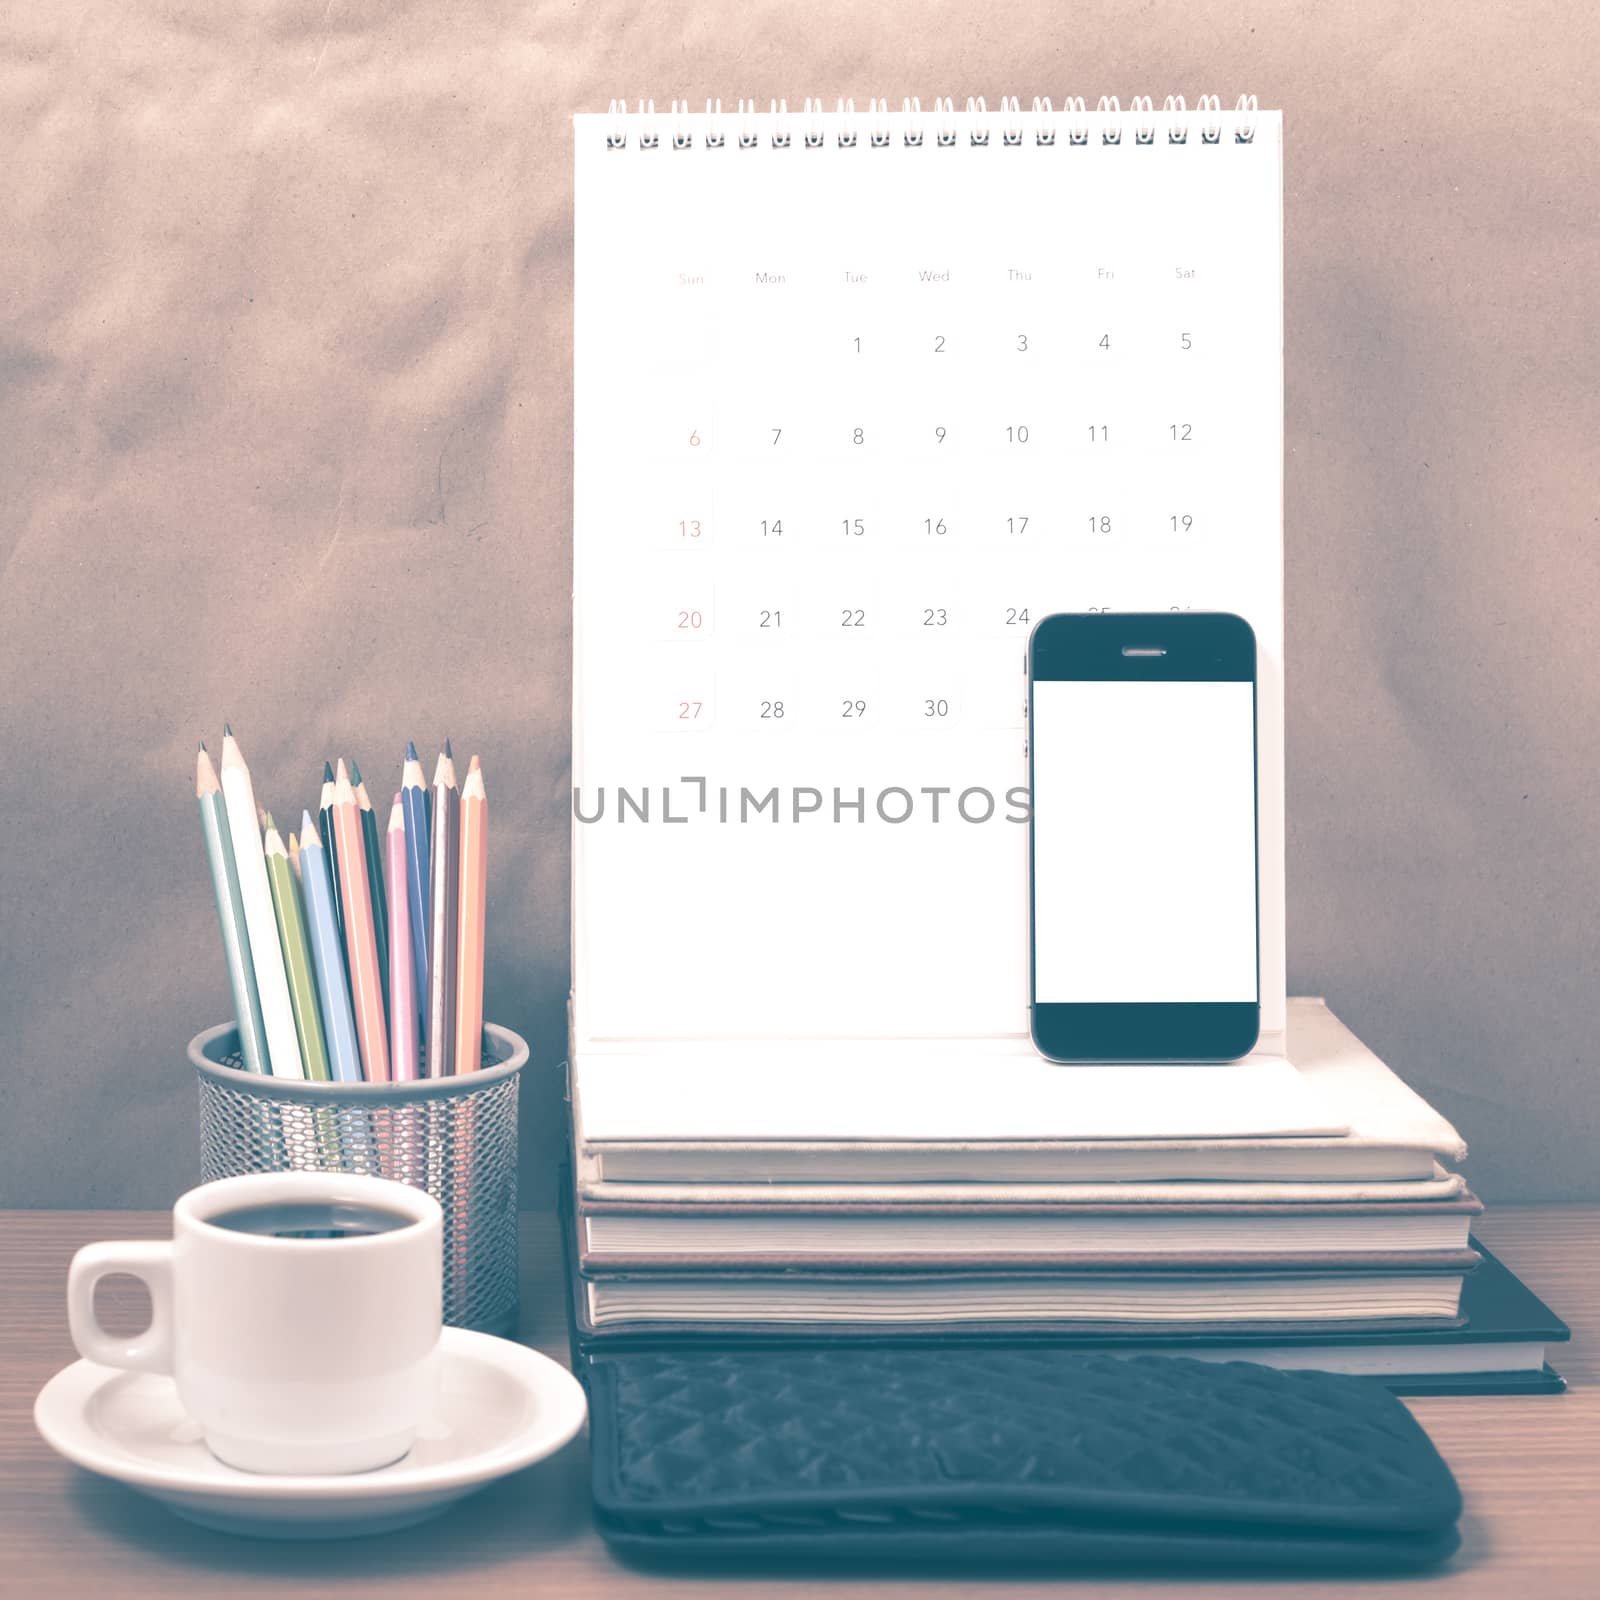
{"points": [[261, 922]]}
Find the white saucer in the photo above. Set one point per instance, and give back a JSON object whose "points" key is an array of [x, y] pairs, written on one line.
{"points": [[503, 1407]]}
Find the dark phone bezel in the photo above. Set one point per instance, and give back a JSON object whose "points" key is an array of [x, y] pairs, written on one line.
{"points": [[1200, 647]]}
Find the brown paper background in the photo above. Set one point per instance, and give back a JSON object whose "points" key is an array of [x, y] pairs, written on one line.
{"points": [[285, 398]]}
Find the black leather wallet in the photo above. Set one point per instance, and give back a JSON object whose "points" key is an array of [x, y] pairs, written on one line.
{"points": [[996, 1457]]}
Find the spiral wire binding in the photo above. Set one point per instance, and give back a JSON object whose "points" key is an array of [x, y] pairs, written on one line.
{"points": [[1072, 125], [878, 110], [1143, 106], [617, 138], [1010, 132], [847, 132], [980, 135], [814, 135]]}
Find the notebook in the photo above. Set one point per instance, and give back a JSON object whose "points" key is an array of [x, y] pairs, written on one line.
{"points": [[931, 1093], [620, 1235], [1370, 1290], [937, 1111], [860, 395], [1441, 1185]]}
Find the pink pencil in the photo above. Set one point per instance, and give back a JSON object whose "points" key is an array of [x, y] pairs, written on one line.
{"points": [[403, 1043], [360, 938]]}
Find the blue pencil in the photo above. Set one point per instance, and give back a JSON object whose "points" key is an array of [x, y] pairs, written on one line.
{"points": [[414, 804], [327, 949]]}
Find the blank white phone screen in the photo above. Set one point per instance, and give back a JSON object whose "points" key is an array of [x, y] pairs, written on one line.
{"points": [[1144, 838]]}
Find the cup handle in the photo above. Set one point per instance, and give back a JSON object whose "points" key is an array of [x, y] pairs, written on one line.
{"points": [[151, 1262]]}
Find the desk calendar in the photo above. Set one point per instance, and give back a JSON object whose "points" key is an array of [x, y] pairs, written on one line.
{"points": [[859, 398]]}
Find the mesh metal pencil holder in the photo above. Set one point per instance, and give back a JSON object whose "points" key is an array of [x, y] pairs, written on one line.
{"points": [[454, 1137]]}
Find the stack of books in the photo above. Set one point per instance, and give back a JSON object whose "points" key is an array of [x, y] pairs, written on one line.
{"points": [[1299, 1211]]}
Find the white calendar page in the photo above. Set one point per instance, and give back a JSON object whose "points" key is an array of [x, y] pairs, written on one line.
{"points": [[849, 421]]}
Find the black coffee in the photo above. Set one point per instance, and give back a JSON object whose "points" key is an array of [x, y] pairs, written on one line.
{"points": [[311, 1220]]}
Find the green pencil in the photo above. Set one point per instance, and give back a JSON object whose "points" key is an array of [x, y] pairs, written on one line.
{"points": [[230, 913], [296, 956]]}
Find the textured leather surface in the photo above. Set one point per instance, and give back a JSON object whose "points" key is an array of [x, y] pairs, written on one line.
{"points": [[1068, 1454]]}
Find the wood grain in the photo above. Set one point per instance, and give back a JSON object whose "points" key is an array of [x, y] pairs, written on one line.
{"points": [[1529, 1469]]}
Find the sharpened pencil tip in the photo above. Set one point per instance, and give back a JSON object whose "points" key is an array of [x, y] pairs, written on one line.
{"points": [[355, 772], [267, 822], [308, 829], [474, 765], [227, 730], [327, 772], [447, 750], [205, 774], [202, 744], [341, 773], [411, 749]]}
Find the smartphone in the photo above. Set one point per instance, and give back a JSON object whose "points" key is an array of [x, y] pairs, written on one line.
{"points": [[1142, 765]]}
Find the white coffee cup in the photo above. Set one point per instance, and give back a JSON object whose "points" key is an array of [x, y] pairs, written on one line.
{"points": [[293, 1354]]}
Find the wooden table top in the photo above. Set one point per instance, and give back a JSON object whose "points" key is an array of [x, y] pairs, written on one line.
{"points": [[1529, 1468]]}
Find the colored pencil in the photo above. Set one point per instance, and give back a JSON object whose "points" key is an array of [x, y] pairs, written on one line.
{"points": [[404, 1047], [360, 939], [294, 855], [255, 894], [474, 874], [444, 914], [374, 852], [230, 914], [414, 802], [327, 949], [329, 843], [296, 956]]}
